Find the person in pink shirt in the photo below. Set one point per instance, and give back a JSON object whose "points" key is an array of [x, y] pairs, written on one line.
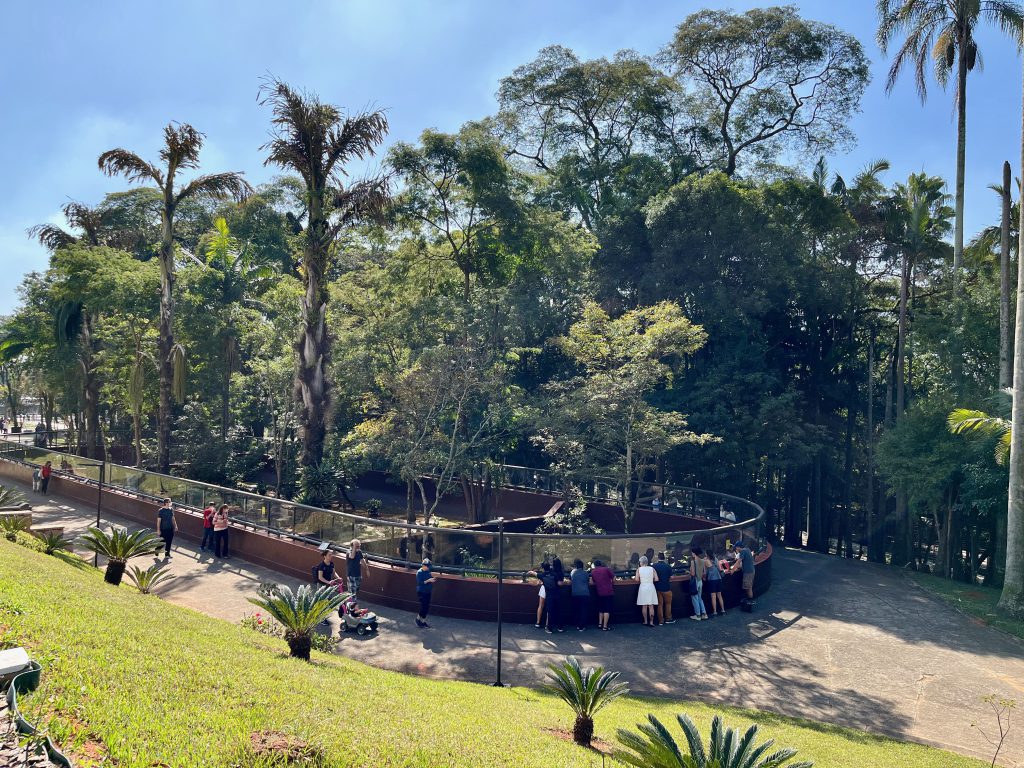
{"points": [[220, 531], [603, 577]]}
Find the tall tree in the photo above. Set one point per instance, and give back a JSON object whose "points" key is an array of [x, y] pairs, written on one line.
{"points": [[180, 152], [1005, 344], [316, 140], [942, 32]]}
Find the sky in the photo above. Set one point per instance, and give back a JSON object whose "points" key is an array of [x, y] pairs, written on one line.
{"points": [[79, 78]]}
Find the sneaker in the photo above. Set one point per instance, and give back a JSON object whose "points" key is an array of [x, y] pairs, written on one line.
{"points": [[704, 617], [580, 629], [695, 617], [671, 621], [539, 626], [420, 623], [425, 625], [561, 629], [548, 630]]}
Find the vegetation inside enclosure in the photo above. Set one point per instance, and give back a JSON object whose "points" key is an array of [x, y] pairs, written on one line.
{"points": [[128, 677]]}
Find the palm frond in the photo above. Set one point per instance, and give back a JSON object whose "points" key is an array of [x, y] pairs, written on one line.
{"points": [[354, 139], [302, 610], [121, 162], [217, 186], [181, 147], [50, 236], [366, 200]]}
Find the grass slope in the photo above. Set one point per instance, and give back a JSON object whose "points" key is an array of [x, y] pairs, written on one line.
{"points": [[975, 600], [148, 683]]}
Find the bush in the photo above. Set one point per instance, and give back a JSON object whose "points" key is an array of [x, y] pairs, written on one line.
{"points": [[52, 542], [266, 625], [586, 691], [299, 612], [10, 497], [146, 580], [373, 507], [12, 525], [119, 547], [654, 747]]}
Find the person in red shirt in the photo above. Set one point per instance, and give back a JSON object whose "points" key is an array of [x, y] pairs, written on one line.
{"points": [[603, 577], [207, 528], [44, 476]]}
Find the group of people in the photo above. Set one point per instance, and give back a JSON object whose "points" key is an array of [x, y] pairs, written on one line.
{"points": [[215, 528], [654, 594], [41, 478]]}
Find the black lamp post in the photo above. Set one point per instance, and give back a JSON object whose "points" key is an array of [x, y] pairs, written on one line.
{"points": [[501, 582]]}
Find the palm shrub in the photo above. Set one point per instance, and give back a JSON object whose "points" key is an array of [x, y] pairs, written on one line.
{"points": [[10, 497], [299, 612], [12, 525], [586, 691], [654, 747], [53, 541], [119, 547], [146, 580]]}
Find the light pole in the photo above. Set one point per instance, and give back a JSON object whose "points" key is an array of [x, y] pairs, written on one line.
{"points": [[99, 508], [501, 583]]}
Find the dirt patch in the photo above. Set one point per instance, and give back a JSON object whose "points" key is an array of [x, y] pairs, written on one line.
{"points": [[278, 748], [974, 595], [596, 745]]}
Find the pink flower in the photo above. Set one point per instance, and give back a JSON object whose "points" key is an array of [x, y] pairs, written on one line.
{"points": [[260, 621]]}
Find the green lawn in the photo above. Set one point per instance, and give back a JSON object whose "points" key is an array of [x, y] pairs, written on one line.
{"points": [[973, 599], [149, 683]]}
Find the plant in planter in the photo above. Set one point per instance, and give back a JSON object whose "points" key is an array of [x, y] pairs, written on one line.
{"points": [[119, 547], [53, 542], [10, 497], [11, 526], [146, 580], [299, 612], [654, 747], [586, 691], [373, 507]]}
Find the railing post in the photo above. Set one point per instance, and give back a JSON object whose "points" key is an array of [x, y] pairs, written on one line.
{"points": [[501, 580]]}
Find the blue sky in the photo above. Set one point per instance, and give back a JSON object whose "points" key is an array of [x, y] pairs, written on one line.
{"points": [[79, 78]]}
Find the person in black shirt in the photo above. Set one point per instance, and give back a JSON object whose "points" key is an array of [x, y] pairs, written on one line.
{"points": [[325, 571], [552, 582], [167, 525]]}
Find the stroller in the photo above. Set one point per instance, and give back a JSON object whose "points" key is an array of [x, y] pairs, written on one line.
{"points": [[352, 616]]}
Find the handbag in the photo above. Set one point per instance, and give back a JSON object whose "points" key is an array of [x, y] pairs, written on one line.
{"points": [[691, 586]]}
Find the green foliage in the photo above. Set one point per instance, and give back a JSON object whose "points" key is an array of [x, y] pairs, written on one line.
{"points": [[572, 518], [299, 612], [586, 691], [147, 580], [53, 542], [12, 525], [119, 545], [319, 483], [655, 747]]}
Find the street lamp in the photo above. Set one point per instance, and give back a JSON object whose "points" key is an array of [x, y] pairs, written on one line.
{"points": [[501, 583]]}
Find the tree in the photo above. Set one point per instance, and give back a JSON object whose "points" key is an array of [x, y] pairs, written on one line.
{"points": [[600, 423], [766, 80], [180, 152], [316, 141], [942, 31]]}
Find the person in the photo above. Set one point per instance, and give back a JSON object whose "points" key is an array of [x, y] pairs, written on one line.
{"points": [[713, 585], [207, 542], [541, 600], [167, 525], [698, 566], [36, 480], [647, 594], [726, 514], [325, 573], [558, 568], [551, 581], [356, 566], [3, 426], [664, 588], [656, 504], [580, 592], [44, 477], [220, 531], [603, 579], [745, 562], [39, 438], [424, 587]]}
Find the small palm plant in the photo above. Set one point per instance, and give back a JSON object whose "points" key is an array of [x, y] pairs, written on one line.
{"points": [[146, 580], [299, 612], [10, 497], [654, 747], [12, 525], [119, 547], [53, 541], [586, 691]]}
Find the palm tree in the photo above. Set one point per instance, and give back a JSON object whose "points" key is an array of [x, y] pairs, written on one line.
{"points": [[299, 612], [316, 141], [180, 152], [964, 421], [942, 31], [654, 747], [119, 547], [586, 691]]}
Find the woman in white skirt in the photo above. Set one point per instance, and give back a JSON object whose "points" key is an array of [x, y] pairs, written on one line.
{"points": [[646, 596]]}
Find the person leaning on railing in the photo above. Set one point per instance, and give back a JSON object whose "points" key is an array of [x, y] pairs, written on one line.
{"points": [[220, 532]]}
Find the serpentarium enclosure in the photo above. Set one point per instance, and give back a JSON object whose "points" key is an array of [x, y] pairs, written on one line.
{"points": [[471, 560]]}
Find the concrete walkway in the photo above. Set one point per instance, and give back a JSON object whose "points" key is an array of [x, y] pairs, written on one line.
{"points": [[835, 641]]}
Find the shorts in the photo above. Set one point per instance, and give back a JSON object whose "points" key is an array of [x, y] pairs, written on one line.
{"points": [[748, 580], [353, 583], [542, 594], [604, 603], [713, 585]]}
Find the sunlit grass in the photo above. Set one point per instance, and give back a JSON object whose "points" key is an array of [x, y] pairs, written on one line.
{"points": [[973, 599]]}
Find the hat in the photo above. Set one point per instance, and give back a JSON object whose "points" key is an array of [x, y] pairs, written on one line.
{"points": [[738, 544], [426, 561]]}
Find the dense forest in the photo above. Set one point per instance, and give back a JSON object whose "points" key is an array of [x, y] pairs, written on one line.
{"points": [[638, 267]]}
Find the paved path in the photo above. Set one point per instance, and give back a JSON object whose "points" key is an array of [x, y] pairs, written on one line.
{"points": [[836, 641]]}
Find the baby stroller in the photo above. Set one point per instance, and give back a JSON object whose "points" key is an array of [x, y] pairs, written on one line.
{"points": [[352, 616]]}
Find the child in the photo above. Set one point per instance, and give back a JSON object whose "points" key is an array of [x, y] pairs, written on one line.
{"points": [[713, 585]]}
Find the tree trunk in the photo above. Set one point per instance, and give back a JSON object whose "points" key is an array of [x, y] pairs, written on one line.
{"points": [[410, 512], [90, 390], [961, 157], [225, 401], [583, 730], [1011, 601], [1005, 354], [312, 387], [299, 645], [137, 434], [166, 339]]}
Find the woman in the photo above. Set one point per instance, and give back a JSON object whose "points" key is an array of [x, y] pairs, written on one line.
{"points": [[698, 567], [713, 584], [220, 532], [580, 580], [603, 579], [424, 589], [541, 598], [647, 595]]}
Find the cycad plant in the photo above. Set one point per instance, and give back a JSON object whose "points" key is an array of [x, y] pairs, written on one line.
{"points": [[299, 612], [12, 525], [54, 541], [146, 580], [119, 547], [654, 747], [586, 691], [10, 497]]}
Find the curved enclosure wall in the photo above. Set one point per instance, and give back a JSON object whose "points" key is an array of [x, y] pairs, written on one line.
{"points": [[284, 536]]}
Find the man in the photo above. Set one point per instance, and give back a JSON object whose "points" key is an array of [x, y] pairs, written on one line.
{"points": [[325, 573], [44, 477], [167, 526], [603, 579], [356, 566], [207, 528], [424, 587], [745, 561], [663, 586]]}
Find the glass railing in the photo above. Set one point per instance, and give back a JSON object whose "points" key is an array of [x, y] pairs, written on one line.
{"points": [[470, 552]]}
